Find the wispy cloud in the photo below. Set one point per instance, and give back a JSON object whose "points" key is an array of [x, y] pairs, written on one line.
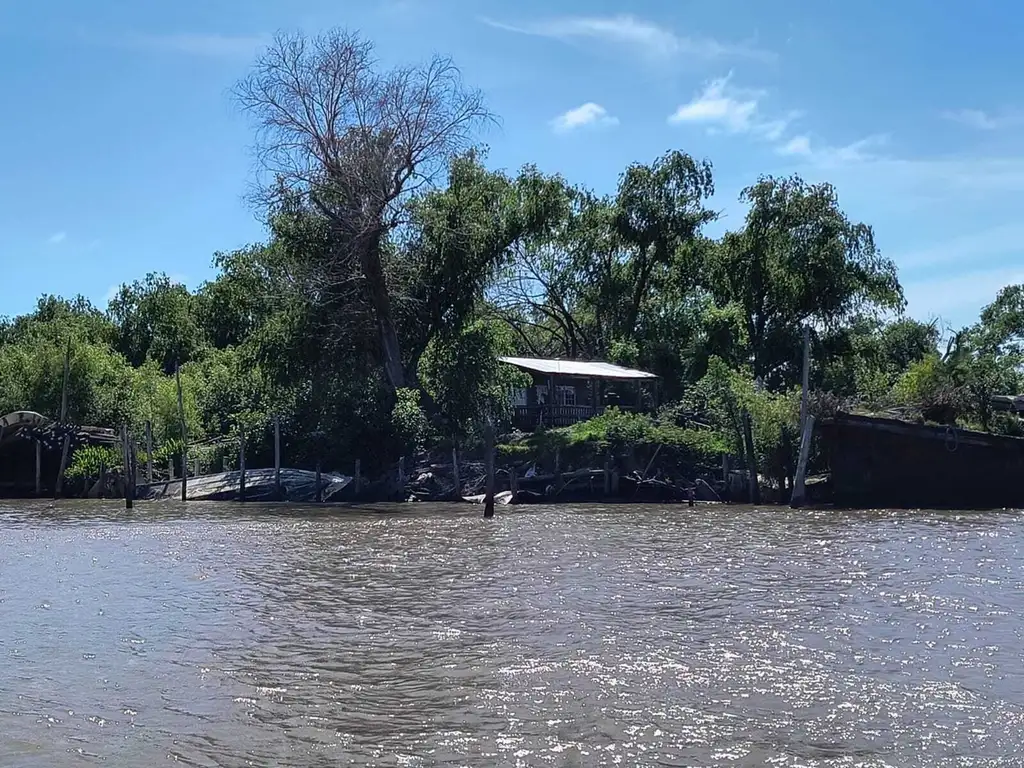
{"points": [[644, 37], [986, 121], [723, 106], [830, 156], [973, 248], [57, 238], [798, 145], [220, 46], [589, 114]]}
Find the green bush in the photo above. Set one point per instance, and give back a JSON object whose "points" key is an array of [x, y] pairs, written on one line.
{"points": [[88, 461]]}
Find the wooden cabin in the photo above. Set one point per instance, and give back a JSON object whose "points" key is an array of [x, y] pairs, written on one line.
{"points": [[565, 392]]}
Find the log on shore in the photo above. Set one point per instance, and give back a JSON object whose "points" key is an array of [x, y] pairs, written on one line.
{"points": [[298, 485]]}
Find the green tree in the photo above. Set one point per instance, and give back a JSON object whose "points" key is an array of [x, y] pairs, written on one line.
{"points": [[798, 259]]}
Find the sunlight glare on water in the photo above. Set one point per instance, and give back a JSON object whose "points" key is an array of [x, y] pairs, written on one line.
{"points": [[221, 635]]}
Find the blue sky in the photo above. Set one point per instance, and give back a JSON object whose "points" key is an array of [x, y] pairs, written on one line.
{"points": [[122, 153]]}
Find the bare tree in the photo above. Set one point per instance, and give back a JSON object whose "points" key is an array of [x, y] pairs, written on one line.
{"points": [[356, 142]]}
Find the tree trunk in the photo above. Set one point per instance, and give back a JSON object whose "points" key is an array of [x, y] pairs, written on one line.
{"points": [[391, 351]]}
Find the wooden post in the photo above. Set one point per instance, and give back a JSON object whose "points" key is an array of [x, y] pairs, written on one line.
{"points": [[455, 472], [277, 455], [401, 476], [551, 400], [126, 456], [133, 459], [184, 436], [748, 442], [63, 466], [195, 467], [59, 485], [489, 466], [608, 474], [799, 487], [558, 464], [241, 467], [806, 378], [64, 388], [725, 469], [149, 451], [317, 491], [358, 477], [39, 468], [513, 482], [170, 468]]}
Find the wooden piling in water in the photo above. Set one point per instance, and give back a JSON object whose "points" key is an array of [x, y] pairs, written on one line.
{"points": [[39, 468], [318, 491], [277, 455], [184, 436], [357, 478], [513, 482], [59, 485], [805, 379], [126, 457], [149, 451], [455, 471], [608, 474], [489, 465], [401, 475], [241, 467], [799, 485], [748, 443]]}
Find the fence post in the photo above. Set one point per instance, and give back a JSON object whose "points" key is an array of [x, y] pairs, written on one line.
{"points": [[39, 468], [317, 490], [357, 479], [401, 475]]}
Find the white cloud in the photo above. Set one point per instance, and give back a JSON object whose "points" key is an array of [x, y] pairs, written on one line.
{"points": [[57, 238], [583, 115], [985, 121], [798, 145], [645, 37], [722, 106], [203, 45]]}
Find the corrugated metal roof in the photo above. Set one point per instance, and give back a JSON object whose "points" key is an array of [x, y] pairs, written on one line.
{"points": [[576, 368]]}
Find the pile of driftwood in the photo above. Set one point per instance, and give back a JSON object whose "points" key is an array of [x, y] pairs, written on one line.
{"points": [[436, 481]]}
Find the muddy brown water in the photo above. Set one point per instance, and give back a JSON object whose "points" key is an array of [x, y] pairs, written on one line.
{"points": [[221, 635]]}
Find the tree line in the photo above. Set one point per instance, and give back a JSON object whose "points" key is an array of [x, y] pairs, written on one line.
{"points": [[398, 266]]}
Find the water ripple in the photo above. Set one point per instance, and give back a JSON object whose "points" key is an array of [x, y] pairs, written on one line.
{"points": [[421, 635]]}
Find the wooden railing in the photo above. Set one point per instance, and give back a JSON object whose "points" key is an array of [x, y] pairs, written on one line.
{"points": [[532, 416]]}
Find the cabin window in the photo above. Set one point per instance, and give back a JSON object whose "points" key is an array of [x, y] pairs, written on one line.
{"points": [[566, 395], [519, 397]]}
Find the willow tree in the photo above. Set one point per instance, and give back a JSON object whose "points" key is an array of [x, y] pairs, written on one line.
{"points": [[355, 142]]}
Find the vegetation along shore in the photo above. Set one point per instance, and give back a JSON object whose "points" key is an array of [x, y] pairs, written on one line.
{"points": [[407, 298]]}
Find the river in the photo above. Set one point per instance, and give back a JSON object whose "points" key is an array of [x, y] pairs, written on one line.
{"points": [[224, 635]]}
